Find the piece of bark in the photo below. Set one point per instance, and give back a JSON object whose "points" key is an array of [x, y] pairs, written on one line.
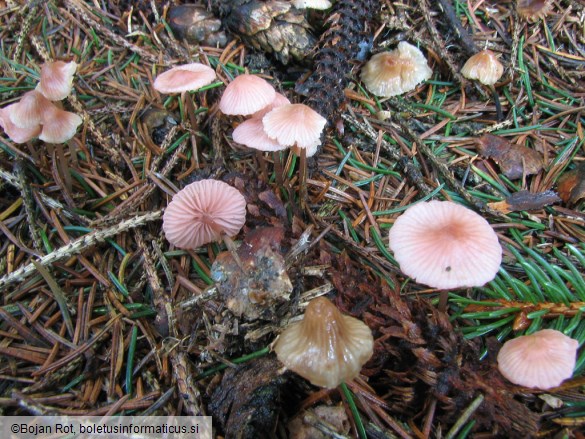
{"points": [[514, 160]]}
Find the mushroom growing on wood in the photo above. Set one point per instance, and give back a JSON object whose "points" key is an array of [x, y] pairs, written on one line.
{"points": [[542, 360], [396, 72], [484, 67], [326, 347], [445, 245], [203, 212]]}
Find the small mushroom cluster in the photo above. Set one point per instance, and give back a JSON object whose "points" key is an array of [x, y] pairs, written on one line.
{"points": [[275, 124], [35, 115]]}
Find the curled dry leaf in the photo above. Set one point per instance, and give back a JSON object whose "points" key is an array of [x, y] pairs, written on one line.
{"points": [[571, 185], [513, 160], [526, 200]]}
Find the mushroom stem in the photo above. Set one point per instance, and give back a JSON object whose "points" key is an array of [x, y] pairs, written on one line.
{"points": [[278, 168], [262, 163], [496, 98], [443, 299], [233, 249], [303, 178]]}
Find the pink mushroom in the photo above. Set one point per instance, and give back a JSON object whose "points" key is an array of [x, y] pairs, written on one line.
{"points": [[246, 95], [251, 132], [295, 125], [16, 134], [184, 78], [542, 360], [56, 79], [58, 125], [445, 245], [202, 212]]}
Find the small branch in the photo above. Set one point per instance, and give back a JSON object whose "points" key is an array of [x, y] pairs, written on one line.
{"points": [[79, 245]]}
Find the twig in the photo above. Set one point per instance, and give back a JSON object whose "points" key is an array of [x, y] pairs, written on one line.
{"points": [[78, 246], [465, 38]]}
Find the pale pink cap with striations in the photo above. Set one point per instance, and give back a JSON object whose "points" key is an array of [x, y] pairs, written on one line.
{"points": [[445, 245], [542, 360], [201, 212], [251, 134], [58, 125], [16, 134], [28, 112], [185, 77], [246, 95], [295, 124], [56, 79]]}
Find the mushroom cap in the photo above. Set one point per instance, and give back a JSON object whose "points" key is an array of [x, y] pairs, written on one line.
{"points": [[58, 125], [483, 66], [278, 101], [298, 124], [396, 72], [251, 133], [542, 360], [28, 112], [245, 95], [201, 211], [56, 79], [532, 10], [185, 77], [445, 245], [326, 347], [311, 4], [16, 134]]}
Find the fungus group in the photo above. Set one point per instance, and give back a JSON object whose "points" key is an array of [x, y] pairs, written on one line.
{"points": [[275, 124], [36, 115]]}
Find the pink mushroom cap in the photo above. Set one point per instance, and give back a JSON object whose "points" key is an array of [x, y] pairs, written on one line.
{"points": [[295, 124], [251, 134], [58, 125], [28, 112], [445, 245], [57, 79], [201, 212], [246, 95], [185, 77], [16, 134], [542, 360]]}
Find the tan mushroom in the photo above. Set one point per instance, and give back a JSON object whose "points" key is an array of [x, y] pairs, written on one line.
{"points": [[326, 347]]}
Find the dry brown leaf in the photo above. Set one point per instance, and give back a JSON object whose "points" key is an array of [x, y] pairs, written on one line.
{"points": [[513, 160], [571, 185], [525, 200]]}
